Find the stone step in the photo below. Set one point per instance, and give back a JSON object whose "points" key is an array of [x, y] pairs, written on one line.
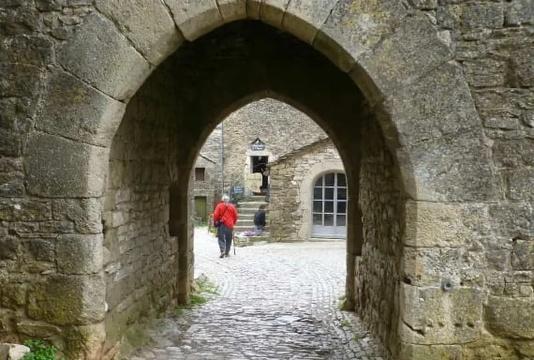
{"points": [[240, 228], [252, 204], [250, 210], [254, 198]]}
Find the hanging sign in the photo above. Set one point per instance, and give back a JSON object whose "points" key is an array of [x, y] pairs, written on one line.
{"points": [[257, 145]]}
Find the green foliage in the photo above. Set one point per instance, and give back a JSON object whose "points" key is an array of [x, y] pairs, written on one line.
{"points": [[203, 291], [342, 303], [40, 350], [206, 286]]}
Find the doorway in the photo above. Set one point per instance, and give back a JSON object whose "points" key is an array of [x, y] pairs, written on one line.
{"points": [[201, 209], [259, 165]]}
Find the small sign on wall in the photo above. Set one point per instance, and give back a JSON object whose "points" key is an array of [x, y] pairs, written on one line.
{"points": [[238, 190], [257, 145]]}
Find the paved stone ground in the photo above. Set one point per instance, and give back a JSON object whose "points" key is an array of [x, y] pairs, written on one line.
{"points": [[275, 301]]}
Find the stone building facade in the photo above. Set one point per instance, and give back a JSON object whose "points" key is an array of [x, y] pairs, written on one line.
{"points": [[293, 178], [274, 123], [206, 177], [431, 99]]}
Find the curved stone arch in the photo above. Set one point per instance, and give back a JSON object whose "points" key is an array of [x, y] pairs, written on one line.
{"points": [[306, 192], [400, 63]]}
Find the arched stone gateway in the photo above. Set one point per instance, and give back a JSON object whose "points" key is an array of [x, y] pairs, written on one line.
{"points": [[104, 150]]}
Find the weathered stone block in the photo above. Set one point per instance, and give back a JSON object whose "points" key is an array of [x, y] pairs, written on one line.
{"points": [[433, 316], [8, 248], [522, 64], [66, 300], [471, 15], [42, 249], [86, 342], [510, 317], [424, 352], [13, 295], [85, 213], [354, 28], [441, 109], [195, 17], [79, 254], [519, 183], [148, 24], [523, 254], [519, 12], [82, 113], [304, 18], [515, 153], [58, 167], [449, 169], [512, 219], [485, 72], [430, 266], [28, 209], [425, 4], [19, 80], [13, 351], [116, 68], [30, 50], [410, 52], [232, 10], [430, 224], [36, 329], [10, 143]]}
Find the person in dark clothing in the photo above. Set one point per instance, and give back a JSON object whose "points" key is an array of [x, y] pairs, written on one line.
{"points": [[259, 220]]}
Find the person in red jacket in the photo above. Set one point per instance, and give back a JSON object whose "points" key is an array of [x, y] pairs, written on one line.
{"points": [[225, 216]]}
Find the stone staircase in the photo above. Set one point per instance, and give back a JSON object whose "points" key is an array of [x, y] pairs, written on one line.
{"points": [[247, 208]]}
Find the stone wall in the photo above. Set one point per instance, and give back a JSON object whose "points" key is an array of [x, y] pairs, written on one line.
{"points": [[140, 256], [470, 220], [50, 246], [494, 43], [210, 158], [378, 269], [292, 180], [282, 127], [210, 187]]}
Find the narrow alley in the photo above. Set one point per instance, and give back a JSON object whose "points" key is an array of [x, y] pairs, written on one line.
{"points": [[274, 301]]}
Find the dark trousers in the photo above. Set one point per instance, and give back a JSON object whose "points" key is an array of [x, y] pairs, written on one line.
{"points": [[225, 239]]}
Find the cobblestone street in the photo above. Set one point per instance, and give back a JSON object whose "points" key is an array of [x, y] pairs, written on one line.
{"points": [[274, 301]]}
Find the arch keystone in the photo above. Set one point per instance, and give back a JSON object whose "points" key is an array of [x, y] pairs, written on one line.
{"points": [[232, 9], [100, 55], [195, 17], [304, 18], [148, 24]]}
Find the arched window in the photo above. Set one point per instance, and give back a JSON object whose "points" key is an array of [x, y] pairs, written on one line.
{"points": [[329, 211]]}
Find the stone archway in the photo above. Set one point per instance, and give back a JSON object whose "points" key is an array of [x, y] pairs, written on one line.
{"points": [[397, 60]]}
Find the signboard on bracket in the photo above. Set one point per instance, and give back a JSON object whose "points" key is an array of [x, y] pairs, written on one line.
{"points": [[257, 145]]}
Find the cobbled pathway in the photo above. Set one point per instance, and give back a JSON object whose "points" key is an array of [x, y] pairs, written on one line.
{"points": [[274, 301]]}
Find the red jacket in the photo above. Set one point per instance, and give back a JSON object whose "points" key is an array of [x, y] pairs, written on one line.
{"points": [[227, 213]]}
